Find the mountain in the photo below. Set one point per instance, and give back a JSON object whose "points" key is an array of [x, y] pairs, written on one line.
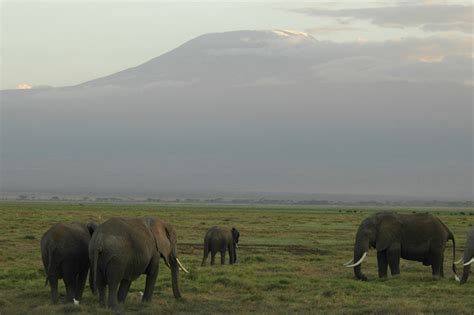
{"points": [[234, 57], [252, 111]]}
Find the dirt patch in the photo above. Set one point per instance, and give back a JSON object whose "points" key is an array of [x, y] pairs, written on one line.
{"points": [[190, 248]]}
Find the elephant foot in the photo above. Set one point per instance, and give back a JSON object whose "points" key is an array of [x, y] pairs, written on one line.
{"points": [[362, 278], [116, 308], [437, 277]]}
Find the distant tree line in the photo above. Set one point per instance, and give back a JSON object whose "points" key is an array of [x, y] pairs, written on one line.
{"points": [[264, 201]]}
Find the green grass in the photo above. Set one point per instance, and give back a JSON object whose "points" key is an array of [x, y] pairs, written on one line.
{"points": [[290, 261]]}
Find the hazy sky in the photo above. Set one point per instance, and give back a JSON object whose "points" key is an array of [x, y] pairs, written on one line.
{"points": [[361, 97], [61, 43]]}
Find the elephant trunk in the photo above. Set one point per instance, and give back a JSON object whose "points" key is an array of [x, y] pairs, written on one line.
{"points": [[361, 248], [451, 237], [175, 277], [465, 273], [467, 262]]}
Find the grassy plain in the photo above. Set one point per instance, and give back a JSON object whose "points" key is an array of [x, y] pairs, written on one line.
{"points": [[290, 261]]}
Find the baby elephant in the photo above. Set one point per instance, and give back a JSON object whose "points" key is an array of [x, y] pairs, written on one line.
{"points": [[468, 257], [221, 240], [64, 250]]}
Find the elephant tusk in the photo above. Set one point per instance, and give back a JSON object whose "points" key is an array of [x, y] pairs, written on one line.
{"points": [[76, 302], [181, 266], [236, 245], [349, 262], [359, 262], [457, 278], [469, 262], [458, 262]]}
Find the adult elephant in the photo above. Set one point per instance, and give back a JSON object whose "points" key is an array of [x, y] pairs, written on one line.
{"points": [[65, 255], [418, 237], [122, 249], [468, 257], [221, 240]]}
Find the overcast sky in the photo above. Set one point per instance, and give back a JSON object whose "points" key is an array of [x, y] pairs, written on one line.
{"points": [[61, 43]]}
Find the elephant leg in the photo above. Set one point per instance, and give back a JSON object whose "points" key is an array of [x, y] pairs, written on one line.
{"points": [[382, 263], [151, 275], [53, 282], [441, 270], [393, 258], [114, 275], [436, 261], [112, 298], [204, 257], [81, 284], [213, 257], [205, 254], [70, 285], [70, 280], [222, 257], [123, 290], [231, 255], [101, 286]]}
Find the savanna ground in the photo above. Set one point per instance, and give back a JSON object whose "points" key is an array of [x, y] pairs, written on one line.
{"points": [[289, 261]]}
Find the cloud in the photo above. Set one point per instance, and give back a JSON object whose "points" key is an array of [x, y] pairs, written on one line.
{"points": [[23, 86], [431, 18], [330, 29], [410, 60]]}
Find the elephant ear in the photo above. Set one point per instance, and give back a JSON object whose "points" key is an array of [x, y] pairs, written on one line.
{"points": [[389, 232], [164, 237]]}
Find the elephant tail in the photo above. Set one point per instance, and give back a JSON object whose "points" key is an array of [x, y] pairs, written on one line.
{"points": [[48, 268]]}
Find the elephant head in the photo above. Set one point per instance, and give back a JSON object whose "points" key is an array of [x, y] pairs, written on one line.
{"points": [[377, 231], [164, 236], [468, 258]]}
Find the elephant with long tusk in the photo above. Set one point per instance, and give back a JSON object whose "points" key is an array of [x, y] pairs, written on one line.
{"points": [[122, 249], [468, 258], [419, 237]]}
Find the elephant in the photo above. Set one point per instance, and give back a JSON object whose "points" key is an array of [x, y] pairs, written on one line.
{"points": [[122, 249], [220, 240], [468, 257], [418, 237], [65, 255]]}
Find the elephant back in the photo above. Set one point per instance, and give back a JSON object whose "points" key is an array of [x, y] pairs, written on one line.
{"points": [[122, 236], [65, 241]]}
